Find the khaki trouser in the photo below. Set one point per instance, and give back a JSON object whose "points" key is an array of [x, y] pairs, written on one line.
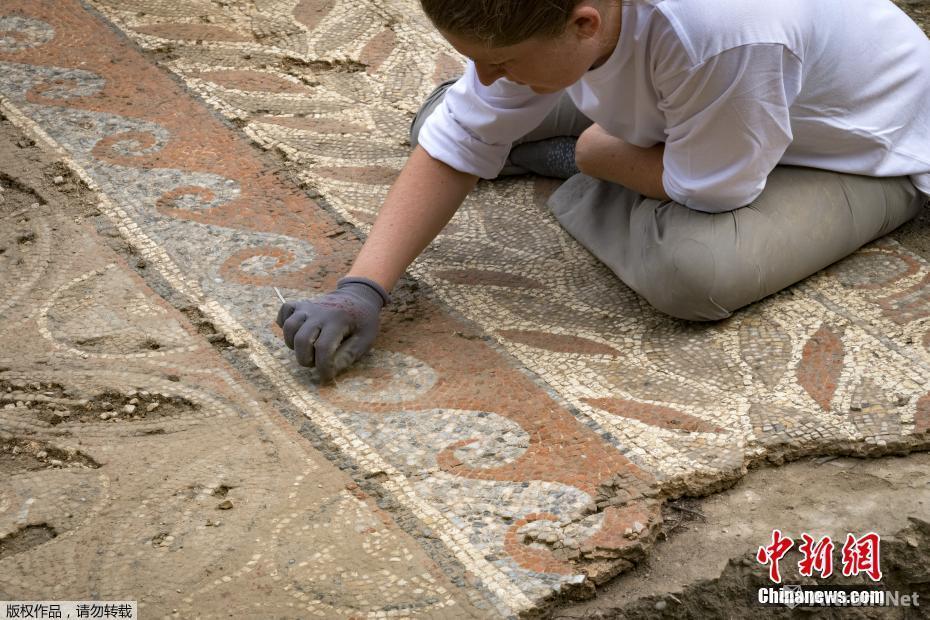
{"points": [[703, 266]]}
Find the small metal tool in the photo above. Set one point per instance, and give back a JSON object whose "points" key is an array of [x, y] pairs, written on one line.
{"points": [[280, 296]]}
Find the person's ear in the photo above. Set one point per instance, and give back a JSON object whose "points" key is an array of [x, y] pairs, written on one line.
{"points": [[585, 21]]}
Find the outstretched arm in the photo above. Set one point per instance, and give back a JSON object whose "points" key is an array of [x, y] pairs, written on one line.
{"points": [[331, 332], [420, 203]]}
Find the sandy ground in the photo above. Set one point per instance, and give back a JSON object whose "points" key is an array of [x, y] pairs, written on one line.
{"points": [[704, 565]]}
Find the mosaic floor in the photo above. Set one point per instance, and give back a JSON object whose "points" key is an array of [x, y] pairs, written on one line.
{"points": [[137, 464], [521, 406]]}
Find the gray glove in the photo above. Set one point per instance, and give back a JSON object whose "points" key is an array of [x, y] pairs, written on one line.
{"points": [[331, 332]]}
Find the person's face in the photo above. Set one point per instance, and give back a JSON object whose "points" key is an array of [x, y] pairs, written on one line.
{"points": [[544, 64]]}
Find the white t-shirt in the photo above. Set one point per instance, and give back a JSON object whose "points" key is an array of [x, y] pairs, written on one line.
{"points": [[732, 87]]}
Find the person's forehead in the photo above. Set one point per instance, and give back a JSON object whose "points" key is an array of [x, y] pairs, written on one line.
{"points": [[482, 52]]}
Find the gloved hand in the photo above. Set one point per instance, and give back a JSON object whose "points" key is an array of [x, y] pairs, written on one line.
{"points": [[331, 332]]}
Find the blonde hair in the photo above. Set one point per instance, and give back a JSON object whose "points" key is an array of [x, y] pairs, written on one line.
{"points": [[500, 23]]}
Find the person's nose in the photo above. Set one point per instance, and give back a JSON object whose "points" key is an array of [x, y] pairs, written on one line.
{"points": [[488, 74]]}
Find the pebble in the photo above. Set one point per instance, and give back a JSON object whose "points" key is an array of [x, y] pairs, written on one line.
{"points": [[58, 180], [104, 416], [55, 463], [152, 407], [41, 454], [129, 408], [224, 505], [660, 605], [134, 401]]}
